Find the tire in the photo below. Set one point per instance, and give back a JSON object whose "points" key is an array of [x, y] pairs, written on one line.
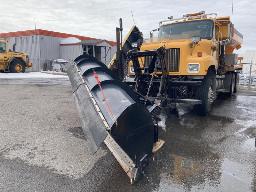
{"points": [[236, 82], [232, 86], [206, 93], [17, 66]]}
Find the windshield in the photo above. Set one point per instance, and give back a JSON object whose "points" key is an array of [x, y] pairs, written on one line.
{"points": [[187, 30], [2, 46]]}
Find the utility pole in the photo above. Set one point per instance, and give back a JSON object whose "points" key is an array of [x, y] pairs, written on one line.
{"points": [[37, 40], [232, 7]]}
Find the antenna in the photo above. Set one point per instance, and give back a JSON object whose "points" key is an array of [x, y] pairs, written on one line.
{"points": [[133, 18], [232, 7], [121, 30]]}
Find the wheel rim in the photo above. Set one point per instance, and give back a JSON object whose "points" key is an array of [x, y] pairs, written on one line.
{"points": [[18, 68]]}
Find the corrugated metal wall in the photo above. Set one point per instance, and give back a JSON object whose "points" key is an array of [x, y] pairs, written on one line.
{"points": [[110, 51], [43, 49], [29, 45], [49, 49], [70, 52]]}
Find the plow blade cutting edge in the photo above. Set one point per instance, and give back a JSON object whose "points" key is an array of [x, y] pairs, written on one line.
{"points": [[111, 113]]}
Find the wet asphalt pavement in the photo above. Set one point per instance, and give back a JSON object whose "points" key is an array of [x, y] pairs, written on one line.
{"points": [[42, 147]]}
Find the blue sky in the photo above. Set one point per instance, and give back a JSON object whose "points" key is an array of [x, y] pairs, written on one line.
{"points": [[98, 18]]}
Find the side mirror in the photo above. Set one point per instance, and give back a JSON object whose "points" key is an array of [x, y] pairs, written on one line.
{"points": [[195, 40], [152, 32]]}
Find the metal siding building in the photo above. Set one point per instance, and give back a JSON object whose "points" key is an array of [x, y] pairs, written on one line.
{"points": [[43, 46], [101, 49], [49, 49], [27, 44], [70, 52]]}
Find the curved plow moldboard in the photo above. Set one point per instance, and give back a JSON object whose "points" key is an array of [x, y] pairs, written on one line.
{"points": [[110, 111]]}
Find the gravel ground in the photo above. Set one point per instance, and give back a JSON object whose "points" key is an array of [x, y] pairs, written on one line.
{"points": [[42, 146]]}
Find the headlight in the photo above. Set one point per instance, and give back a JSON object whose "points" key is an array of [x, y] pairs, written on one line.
{"points": [[131, 69], [193, 67], [135, 45]]}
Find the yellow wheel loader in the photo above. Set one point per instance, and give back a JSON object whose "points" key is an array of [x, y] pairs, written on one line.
{"points": [[11, 61]]}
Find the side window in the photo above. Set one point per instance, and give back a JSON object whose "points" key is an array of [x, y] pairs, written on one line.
{"points": [[2, 47], [217, 29]]}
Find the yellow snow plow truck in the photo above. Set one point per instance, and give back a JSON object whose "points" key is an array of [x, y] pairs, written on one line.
{"points": [[11, 61], [190, 61]]}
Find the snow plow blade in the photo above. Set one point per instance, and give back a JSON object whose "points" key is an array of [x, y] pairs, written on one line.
{"points": [[112, 113]]}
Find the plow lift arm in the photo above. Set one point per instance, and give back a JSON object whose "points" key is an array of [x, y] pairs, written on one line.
{"points": [[128, 51], [111, 112], [118, 64]]}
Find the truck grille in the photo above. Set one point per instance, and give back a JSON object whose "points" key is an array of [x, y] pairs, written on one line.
{"points": [[171, 59]]}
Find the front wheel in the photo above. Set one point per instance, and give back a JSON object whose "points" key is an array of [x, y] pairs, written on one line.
{"points": [[207, 94], [17, 66]]}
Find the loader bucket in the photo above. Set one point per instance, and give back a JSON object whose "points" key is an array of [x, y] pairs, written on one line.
{"points": [[111, 112]]}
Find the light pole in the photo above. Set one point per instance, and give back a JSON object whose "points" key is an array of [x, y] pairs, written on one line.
{"points": [[250, 75], [37, 35]]}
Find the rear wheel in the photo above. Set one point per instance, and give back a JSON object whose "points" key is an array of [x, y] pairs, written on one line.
{"points": [[232, 85], [17, 66], [206, 93], [236, 82]]}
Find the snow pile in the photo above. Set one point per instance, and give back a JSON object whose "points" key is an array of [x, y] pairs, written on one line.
{"points": [[31, 75]]}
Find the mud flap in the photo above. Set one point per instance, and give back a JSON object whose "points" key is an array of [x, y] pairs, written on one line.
{"points": [[111, 112]]}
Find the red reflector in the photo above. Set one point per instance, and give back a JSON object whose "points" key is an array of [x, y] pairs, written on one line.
{"points": [[199, 54]]}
